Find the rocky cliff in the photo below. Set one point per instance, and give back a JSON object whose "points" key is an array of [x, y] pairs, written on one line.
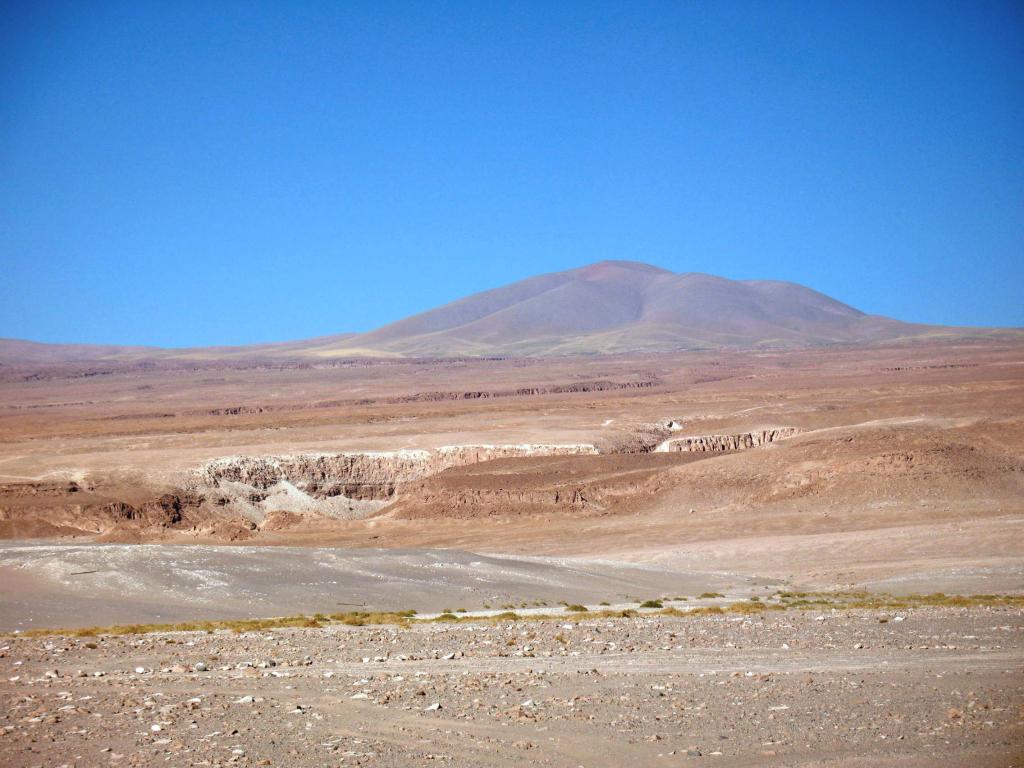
{"points": [[346, 484], [721, 443]]}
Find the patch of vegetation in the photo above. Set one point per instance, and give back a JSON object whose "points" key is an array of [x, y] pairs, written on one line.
{"points": [[787, 600], [708, 595], [747, 607], [859, 599], [708, 610], [651, 604], [362, 618]]}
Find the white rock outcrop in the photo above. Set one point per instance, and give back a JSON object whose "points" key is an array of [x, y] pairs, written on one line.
{"points": [[730, 442]]}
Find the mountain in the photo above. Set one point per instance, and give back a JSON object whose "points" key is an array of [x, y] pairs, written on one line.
{"points": [[620, 306], [607, 307]]}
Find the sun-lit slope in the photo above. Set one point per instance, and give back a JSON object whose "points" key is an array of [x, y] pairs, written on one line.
{"points": [[17, 352], [607, 307], [615, 306], [33, 352]]}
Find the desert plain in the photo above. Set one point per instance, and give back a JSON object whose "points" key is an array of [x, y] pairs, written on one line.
{"points": [[789, 516]]}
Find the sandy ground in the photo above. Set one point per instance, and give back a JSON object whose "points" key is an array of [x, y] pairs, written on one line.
{"points": [[54, 585], [853, 688]]}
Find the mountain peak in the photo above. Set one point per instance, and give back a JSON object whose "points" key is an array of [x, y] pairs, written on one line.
{"points": [[618, 306], [612, 265], [612, 306]]}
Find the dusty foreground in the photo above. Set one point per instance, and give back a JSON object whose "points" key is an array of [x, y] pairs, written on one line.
{"points": [[922, 687]]}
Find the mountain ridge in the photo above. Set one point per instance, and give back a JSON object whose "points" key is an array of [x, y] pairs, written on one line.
{"points": [[611, 306]]}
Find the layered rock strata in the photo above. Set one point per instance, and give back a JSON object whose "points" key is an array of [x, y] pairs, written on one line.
{"points": [[721, 443], [347, 484]]}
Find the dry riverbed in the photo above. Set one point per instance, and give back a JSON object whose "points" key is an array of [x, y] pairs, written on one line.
{"points": [[859, 687], [47, 584]]}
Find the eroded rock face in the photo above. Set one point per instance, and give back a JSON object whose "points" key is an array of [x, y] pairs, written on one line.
{"points": [[434, 499], [322, 483], [720, 443], [166, 511], [33, 511], [371, 475]]}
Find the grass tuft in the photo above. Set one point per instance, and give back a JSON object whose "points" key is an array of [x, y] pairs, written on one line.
{"points": [[786, 601]]}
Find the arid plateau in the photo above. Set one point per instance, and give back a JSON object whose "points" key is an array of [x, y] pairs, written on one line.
{"points": [[781, 555]]}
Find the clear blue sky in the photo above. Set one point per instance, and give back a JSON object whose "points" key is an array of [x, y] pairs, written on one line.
{"points": [[188, 173]]}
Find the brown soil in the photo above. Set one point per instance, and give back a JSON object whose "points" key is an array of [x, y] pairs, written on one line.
{"points": [[896, 469], [912, 439]]}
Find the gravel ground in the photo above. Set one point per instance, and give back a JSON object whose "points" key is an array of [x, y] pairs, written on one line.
{"points": [[928, 686]]}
